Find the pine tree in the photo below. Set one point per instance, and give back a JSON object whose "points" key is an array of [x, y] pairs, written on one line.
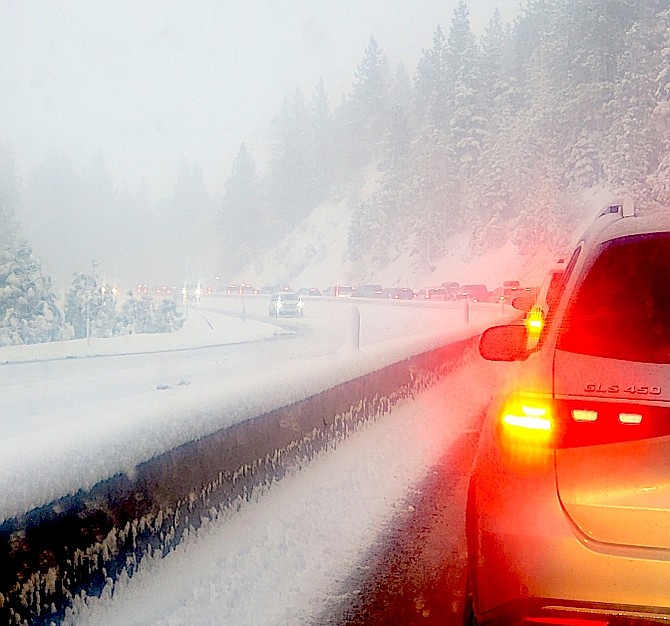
{"points": [[321, 149], [291, 145], [431, 83], [9, 199], [28, 310], [90, 308], [370, 105], [243, 220], [167, 318], [544, 222], [631, 153], [185, 217], [659, 180], [435, 212]]}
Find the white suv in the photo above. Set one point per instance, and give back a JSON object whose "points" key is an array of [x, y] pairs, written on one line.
{"points": [[568, 514]]}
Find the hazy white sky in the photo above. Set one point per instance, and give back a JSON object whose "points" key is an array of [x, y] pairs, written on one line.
{"points": [[147, 84]]}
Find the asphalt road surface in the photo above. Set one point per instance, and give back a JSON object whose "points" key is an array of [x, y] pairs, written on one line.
{"points": [[416, 573]]}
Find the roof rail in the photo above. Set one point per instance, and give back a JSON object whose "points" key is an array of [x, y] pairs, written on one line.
{"points": [[623, 207]]}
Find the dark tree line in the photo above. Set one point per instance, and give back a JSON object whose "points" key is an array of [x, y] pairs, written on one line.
{"points": [[495, 136]]}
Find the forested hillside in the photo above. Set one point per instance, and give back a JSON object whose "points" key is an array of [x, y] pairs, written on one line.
{"points": [[495, 136]]}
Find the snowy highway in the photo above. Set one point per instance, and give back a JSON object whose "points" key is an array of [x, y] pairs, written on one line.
{"points": [[77, 413]]}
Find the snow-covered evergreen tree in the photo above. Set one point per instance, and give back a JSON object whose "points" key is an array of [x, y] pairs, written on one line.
{"points": [[370, 103], [89, 307], [545, 223], [243, 219], [138, 316], [291, 187], [28, 310], [631, 153], [167, 318], [9, 199], [659, 180]]}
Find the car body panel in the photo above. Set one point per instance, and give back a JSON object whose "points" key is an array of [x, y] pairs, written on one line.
{"points": [[596, 377], [618, 493]]}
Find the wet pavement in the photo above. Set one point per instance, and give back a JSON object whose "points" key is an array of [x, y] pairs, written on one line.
{"points": [[416, 573]]}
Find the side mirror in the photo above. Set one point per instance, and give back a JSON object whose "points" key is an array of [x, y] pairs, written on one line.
{"points": [[504, 343]]}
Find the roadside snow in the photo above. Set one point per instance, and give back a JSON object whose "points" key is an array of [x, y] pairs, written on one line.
{"points": [[196, 332], [281, 557]]}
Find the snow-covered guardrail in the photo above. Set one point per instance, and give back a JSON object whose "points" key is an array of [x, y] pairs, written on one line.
{"points": [[81, 542]]}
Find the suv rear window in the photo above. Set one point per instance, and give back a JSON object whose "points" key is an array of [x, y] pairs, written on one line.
{"points": [[622, 308]]}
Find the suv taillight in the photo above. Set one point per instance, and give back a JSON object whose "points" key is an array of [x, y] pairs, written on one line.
{"points": [[534, 421], [594, 422], [526, 429]]}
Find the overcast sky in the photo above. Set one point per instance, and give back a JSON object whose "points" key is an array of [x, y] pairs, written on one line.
{"points": [[147, 84]]}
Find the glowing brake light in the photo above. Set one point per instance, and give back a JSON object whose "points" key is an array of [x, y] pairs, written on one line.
{"points": [[530, 422], [534, 321], [527, 413], [527, 429], [528, 417]]}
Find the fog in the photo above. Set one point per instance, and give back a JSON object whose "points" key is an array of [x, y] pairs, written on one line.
{"points": [[113, 114]]}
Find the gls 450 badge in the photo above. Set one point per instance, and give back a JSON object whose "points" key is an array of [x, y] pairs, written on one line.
{"points": [[641, 390]]}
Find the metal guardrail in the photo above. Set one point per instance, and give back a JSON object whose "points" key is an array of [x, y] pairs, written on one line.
{"points": [[82, 543]]}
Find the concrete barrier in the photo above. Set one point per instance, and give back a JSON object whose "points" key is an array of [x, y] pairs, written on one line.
{"points": [[81, 542]]}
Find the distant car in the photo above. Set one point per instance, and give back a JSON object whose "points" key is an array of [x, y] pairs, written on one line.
{"points": [[243, 289], [191, 292], [286, 304], [474, 293], [405, 293], [340, 291], [398, 293], [309, 291], [540, 307], [368, 291], [432, 293], [452, 288], [510, 289]]}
